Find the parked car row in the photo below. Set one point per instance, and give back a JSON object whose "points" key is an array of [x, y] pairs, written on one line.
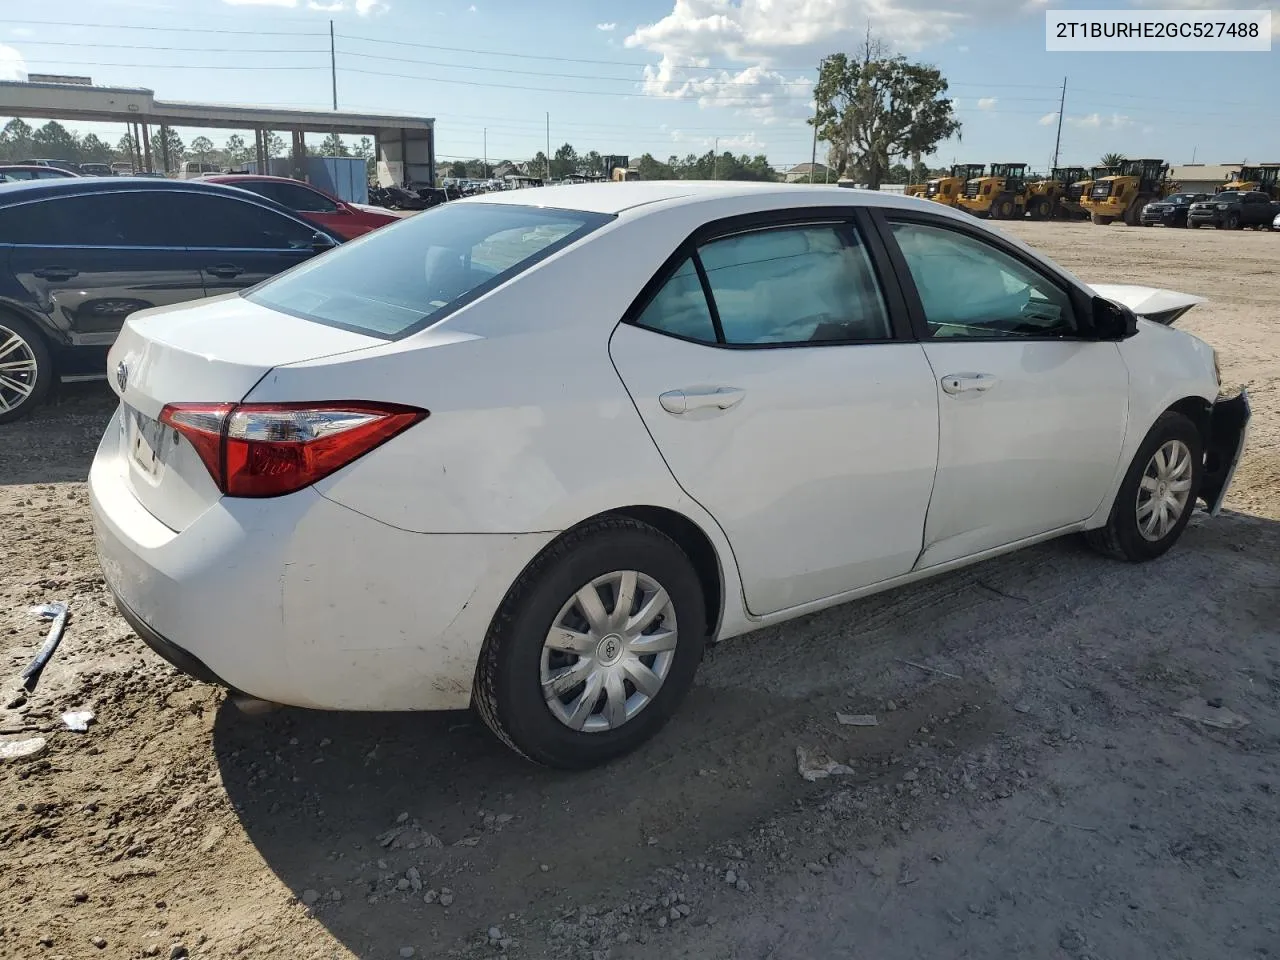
{"points": [[1230, 210], [78, 255]]}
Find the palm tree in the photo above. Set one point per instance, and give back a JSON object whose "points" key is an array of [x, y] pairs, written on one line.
{"points": [[1112, 159]]}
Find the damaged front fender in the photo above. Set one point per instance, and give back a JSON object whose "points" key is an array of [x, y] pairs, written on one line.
{"points": [[1228, 425]]}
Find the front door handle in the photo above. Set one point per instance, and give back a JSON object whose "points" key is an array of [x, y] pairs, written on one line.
{"points": [[700, 398], [225, 270], [56, 273], [954, 383]]}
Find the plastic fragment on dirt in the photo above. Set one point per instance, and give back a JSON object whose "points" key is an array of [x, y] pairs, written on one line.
{"points": [[1198, 711], [857, 719], [818, 766], [78, 720], [23, 749]]}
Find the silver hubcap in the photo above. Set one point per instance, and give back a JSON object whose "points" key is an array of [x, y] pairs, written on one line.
{"points": [[608, 652], [1165, 490], [17, 370]]}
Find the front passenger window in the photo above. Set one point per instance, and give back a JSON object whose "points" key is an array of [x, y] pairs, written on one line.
{"points": [[969, 288]]}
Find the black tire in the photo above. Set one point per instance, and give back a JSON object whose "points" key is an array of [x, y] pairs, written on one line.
{"points": [[1233, 221], [1004, 209], [508, 691], [1192, 226], [1101, 220], [1121, 538], [1042, 209], [39, 382]]}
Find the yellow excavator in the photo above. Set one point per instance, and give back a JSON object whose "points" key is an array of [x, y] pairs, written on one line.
{"points": [[948, 189], [1122, 195], [1047, 198], [1001, 195], [1263, 179]]}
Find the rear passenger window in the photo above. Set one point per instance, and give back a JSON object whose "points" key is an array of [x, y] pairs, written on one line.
{"points": [[680, 308], [807, 284], [126, 219]]}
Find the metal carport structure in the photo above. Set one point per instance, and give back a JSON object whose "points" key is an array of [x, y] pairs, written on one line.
{"points": [[404, 146]]}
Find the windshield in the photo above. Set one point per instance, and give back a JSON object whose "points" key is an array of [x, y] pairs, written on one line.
{"points": [[1229, 196], [397, 280], [1183, 198]]}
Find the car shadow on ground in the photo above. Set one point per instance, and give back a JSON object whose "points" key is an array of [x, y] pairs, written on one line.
{"points": [[370, 818]]}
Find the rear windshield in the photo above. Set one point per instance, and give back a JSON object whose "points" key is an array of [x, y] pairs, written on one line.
{"points": [[399, 279]]}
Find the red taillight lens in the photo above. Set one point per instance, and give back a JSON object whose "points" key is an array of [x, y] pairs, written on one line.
{"points": [[270, 449]]}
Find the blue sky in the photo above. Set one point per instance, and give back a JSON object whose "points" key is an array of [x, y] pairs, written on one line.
{"points": [[621, 77]]}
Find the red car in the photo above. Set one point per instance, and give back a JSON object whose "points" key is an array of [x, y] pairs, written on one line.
{"points": [[347, 220]]}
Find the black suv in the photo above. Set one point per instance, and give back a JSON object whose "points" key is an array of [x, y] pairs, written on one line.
{"points": [[1172, 210], [78, 255], [1234, 210]]}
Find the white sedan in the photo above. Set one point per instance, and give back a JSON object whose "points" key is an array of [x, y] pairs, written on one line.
{"points": [[534, 451]]}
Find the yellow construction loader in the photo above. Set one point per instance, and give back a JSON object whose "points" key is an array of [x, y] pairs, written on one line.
{"points": [[1047, 198], [1073, 201], [1264, 179], [948, 189], [915, 189], [1001, 195], [1122, 195]]}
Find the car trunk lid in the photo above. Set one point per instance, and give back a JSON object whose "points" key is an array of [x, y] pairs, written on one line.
{"points": [[210, 352], [1157, 305]]}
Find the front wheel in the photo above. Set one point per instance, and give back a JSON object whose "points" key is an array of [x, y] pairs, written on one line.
{"points": [[594, 646], [1100, 220], [1157, 495], [1233, 221]]}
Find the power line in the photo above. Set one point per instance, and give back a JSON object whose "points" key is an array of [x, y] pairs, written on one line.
{"points": [[163, 49], [120, 26], [171, 66]]}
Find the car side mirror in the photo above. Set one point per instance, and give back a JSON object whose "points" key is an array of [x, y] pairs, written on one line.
{"points": [[320, 242], [1113, 321]]}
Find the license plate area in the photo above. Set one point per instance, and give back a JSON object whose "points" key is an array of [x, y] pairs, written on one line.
{"points": [[147, 443]]}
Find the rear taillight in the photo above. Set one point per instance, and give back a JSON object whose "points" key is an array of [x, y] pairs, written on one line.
{"points": [[270, 449]]}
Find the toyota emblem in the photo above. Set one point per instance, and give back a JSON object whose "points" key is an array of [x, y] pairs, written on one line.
{"points": [[122, 375]]}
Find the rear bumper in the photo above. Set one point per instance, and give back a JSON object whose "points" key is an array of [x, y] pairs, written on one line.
{"points": [[300, 601]]}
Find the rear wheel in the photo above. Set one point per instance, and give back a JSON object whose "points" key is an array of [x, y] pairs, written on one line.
{"points": [[26, 369], [1004, 209], [1041, 209], [1157, 495], [594, 646], [1100, 220]]}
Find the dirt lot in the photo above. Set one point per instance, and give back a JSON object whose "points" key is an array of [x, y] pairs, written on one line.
{"points": [[1028, 791]]}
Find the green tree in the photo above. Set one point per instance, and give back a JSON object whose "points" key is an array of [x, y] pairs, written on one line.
{"points": [[127, 149], [537, 167], [1112, 159], [564, 162], [236, 149], [275, 144], [652, 169], [177, 149], [55, 142], [592, 162], [93, 150], [363, 149], [15, 140], [873, 107], [202, 149], [898, 173], [458, 169], [334, 146]]}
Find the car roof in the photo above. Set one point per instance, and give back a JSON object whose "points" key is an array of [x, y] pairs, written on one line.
{"points": [[27, 190], [615, 197], [33, 166]]}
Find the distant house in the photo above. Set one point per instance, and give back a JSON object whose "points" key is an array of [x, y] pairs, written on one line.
{"points": [[821, 173]]}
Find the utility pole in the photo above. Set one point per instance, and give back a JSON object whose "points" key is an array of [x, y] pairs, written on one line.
{"points": [[486, 153], [548, 145], [333, 66], [1061, 107], [813, 161], [715, 161]]}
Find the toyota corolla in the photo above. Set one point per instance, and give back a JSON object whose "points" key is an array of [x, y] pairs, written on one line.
{"points": [[532, 452]]}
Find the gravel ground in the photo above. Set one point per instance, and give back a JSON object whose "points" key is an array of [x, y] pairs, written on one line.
{"points": [[1029, 788]]}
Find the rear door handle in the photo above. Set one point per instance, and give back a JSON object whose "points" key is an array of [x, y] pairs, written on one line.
{"points": [[56, 273], [225, 270], [700, 398], [954, 383]]}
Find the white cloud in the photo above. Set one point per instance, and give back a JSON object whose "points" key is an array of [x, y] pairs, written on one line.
{"points": [[1049, 119], [1096, 121], [1215, 5], [987, 103], [606, 27], [732, 53], [471, 9], [362, 7], [962, 48], [741, 143], [22, 31], [12, 66]]}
